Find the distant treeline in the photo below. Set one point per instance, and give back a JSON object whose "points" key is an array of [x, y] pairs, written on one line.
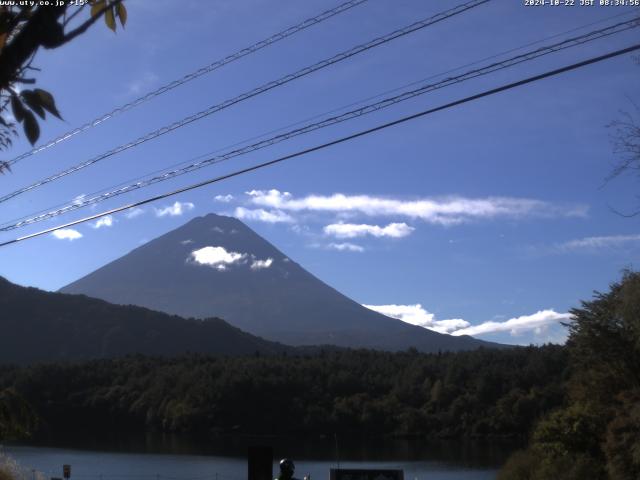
{"points": [[480, 393]]}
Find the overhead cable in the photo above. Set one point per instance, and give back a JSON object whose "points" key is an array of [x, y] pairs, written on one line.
{"points": [[192, 76], [349, 105], [252, 93], [358, 112], [338, 109], [338, 141]]}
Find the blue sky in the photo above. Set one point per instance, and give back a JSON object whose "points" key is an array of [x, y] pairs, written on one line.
{"points": [[495, 213]]}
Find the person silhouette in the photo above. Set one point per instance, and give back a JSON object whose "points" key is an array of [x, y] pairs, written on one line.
{"points": [[287, 468]]}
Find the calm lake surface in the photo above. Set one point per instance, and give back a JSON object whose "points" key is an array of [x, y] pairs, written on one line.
{"points": [[173, 458]]}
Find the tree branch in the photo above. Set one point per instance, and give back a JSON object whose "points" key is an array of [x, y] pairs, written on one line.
{"points": [[41, 30], [71, 17], [85, 26]]}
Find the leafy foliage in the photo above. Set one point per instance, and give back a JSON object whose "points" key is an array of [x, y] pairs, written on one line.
{"points": [[481, 393], [17, 419], [24, 29], [598, 430], [12, 470]]}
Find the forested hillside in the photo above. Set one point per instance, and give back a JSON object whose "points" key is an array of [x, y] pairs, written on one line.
{"points": [[38, 326], [596, 434], [480, 393]]}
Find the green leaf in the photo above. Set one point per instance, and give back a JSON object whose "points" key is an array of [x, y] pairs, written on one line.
{"points": [[31, 128], [110, 19], [32, 100], [48, 103], [17, 108], [122, 14], [97, 7]]}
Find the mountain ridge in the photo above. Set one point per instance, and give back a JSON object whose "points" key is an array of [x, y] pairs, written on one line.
{"points": [[279, 302], [40, 326]]}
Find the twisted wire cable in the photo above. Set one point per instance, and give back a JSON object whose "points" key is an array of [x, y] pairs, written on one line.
{"points": [[192, 76], [252, 93], [338, 141], [344, 107], [364, 110]]}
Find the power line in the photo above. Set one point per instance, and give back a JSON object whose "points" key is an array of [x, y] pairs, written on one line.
{"points": [[338, 141], [338, 109], [167, 175], [334, 110], [252, 93], [193, 75], [366, 109]]}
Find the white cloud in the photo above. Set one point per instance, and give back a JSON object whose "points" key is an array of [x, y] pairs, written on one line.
{"points": [[187, 242], [223, 198], [449, 325], [66, 234], [217, 257], [261, 215], [351, 230], [260, 264], [596, 243], [175, 210], [443, 211], [517, 325], [103, 222], [345, 247], [220, 258], [133, 213], [416, 315], [538, 323]]}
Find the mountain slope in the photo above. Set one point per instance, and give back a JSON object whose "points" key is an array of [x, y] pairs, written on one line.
{"points": [[38, 326], [258, 289]]}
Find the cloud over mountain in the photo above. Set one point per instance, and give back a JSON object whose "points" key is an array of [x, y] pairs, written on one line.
{"points": [[417, 315], [216, 257], [220, 258], [260, 264]]}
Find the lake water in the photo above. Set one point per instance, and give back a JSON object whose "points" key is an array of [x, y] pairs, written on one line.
{"points": [[170, 458]]}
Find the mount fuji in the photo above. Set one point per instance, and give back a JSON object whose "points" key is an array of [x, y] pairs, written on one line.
{"points": [[216, 266]]}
